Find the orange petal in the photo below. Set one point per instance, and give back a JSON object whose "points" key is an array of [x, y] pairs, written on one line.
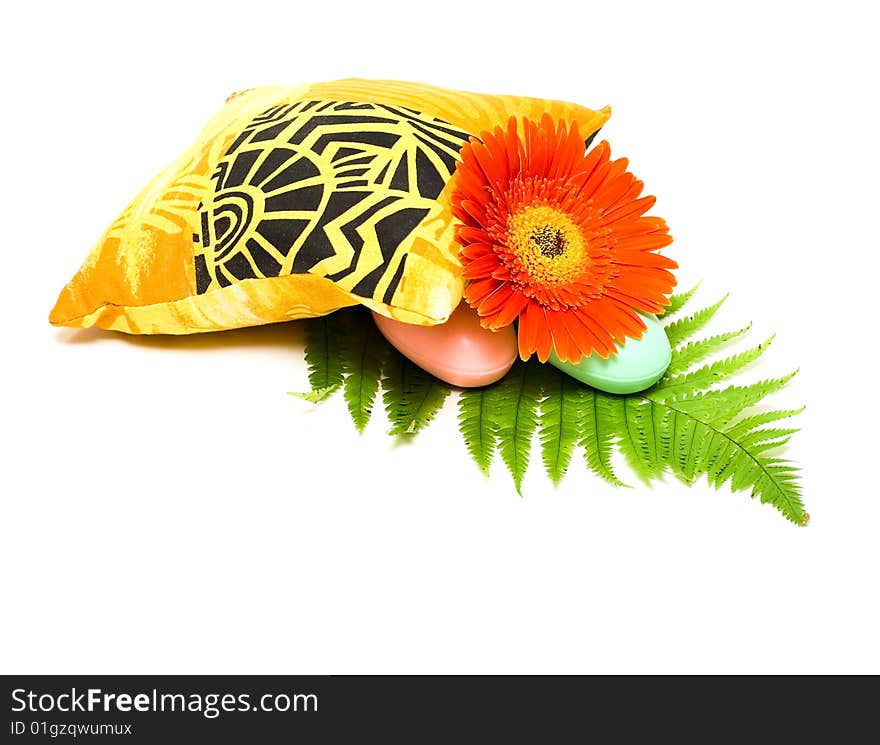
{"points": [[481, 267], [478, 289], [627, 210], [510, 311], [528, 329]]}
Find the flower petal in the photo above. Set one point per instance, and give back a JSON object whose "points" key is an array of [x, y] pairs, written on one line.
{"points": [[528, 329]]}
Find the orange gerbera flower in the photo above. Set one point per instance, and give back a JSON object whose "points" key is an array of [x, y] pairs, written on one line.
{"points": [[557, 238]]}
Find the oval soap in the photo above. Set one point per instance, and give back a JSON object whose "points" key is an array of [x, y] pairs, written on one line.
{"points": [[460, 351], [637, 365]]}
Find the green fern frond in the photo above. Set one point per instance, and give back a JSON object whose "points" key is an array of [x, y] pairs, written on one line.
{"points": [[559, 421], [679, 386], [722, 406], [768, 439], [316, 395], [703, 448], [687, 355], [363, 350], [477, 425], [637, 436], [598, 432], [759, 420], [323, 353], [323, 358], [515, 406], [684, 328], [679, 300], [412, 397], [684, 425]]}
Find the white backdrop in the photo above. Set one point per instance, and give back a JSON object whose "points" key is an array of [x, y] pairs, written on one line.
{"points": [[166, 507]]}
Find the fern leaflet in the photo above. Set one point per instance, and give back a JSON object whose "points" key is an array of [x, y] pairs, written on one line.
{"points": [[682, 329], [560, 422], [679, 300], [683, 357], [363, 352], [315, 395], [477, 425], [515, 411], [598, 434], [323, 354], [691, 383], [412, 397]]}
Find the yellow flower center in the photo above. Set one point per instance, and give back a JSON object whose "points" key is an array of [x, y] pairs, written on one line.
{"points": [[548, 244]]}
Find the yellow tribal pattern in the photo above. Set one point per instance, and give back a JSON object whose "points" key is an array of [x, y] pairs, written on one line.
{"points": [[294, 202], [330, 188]]}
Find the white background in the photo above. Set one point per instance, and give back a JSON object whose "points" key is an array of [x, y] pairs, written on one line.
{"points": [[166, 507]]}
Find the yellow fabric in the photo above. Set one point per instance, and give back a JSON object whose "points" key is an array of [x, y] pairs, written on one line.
{"points": [[205, 245]]}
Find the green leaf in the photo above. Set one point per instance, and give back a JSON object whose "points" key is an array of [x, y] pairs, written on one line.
{"points": [[477, 425], [364, 350], [684, 425], [679, 300], [679, 386], [759, 420], [768, 438], [701, 447], [412, 397], [559, 421], [317, 395], [683, 357], [600, 417], [637, 436], [722, 406], [323, 353], [684, 328], [514, 408]]}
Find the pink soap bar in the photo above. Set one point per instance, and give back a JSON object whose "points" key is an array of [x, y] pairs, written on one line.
{"points": [[460, 351]]}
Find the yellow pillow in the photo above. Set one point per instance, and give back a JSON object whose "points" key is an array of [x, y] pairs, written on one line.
{"points": [[293, 202]]}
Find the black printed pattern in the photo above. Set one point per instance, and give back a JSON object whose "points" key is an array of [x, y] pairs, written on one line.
{"points": [[326, 187]]}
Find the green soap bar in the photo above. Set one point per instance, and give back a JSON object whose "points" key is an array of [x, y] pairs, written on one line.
{"points": [[637, 365]]}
